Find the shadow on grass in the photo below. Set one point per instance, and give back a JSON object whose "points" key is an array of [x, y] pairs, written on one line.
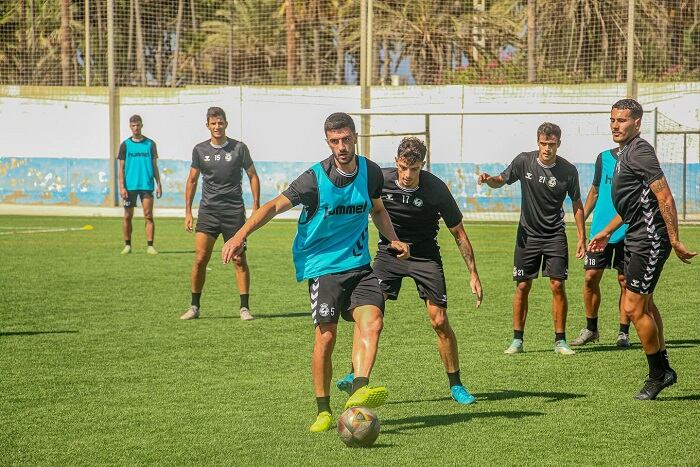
{"points": [[400, 425], [606, 348], [418, 401], [681, 343], [506, 394], [689, 397], [293, 314], [175, 252], [34, 333]]}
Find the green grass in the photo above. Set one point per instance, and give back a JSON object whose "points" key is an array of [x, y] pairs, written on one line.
{"points": [[96, 367]]}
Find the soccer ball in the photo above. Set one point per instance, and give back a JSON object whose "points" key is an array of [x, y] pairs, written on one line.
{"points": [[358, 427]]}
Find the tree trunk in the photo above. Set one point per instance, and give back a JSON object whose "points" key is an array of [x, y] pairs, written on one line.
{"points": [[193, 59], [386, 62], [230, 44], [130, 35], [140, 57], [159, 54], [65, 43], [339, 51], [101, 36], [531, 40], [291, 41], [317, 54], [176, 45]]}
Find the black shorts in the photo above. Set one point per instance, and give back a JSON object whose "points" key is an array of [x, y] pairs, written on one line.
{"points": [[336, 295], [224, 223], [133, 195], [427, 273], [642, 271], [531, 253], [612, 257]]}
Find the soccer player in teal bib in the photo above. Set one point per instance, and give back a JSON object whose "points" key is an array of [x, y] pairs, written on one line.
{"points": [[138, 169], [331, 252], [599, 202]]}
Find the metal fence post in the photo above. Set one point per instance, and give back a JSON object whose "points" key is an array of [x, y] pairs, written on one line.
{"points": [[427, 141], [113, 107], [685, 174], [631, 85]]}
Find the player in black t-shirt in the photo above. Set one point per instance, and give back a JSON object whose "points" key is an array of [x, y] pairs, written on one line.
{"points": [[220, 160], [416, 200], [545, 179], [651, 234]]}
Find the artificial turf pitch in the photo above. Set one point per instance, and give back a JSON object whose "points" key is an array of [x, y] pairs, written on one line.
{"points": [[96, 367]]}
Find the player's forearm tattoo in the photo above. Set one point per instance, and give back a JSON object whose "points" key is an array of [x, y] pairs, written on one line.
{"points": [[467, 253], [658, 185], [668, 212]]}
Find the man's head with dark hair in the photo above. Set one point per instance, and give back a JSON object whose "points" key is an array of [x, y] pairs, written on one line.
{"points": [[215, 112], [338, 121], [549, 129], [341, 138], [633, 106], [411, 150], [216, 123], [410, 159], [625, 120], [135, 125], [548, 141]]}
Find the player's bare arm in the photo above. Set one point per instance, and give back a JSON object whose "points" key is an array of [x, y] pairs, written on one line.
{"points": [[493, 182], [156, 176], [598, 243], [382, 220], [190, 190], [580, 228], [465, 249], [122, 189], [591, 200], [234, 246], [667, 207], [254, 186]]}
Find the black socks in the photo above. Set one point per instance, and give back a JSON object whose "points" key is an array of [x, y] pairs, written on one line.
{"points": [[656, 365], [625, 328], [244, 300], [324, 404], [195, 298], [518, 334], [592, 324], [454, 379], [150, 242], [127, 242], [559, 336], [359, 382]]}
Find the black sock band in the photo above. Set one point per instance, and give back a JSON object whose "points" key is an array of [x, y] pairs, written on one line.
{"points": [[195, 298], [656, 365], [127, 242], [150, 242], [454, 379], [664, 359], [559, 336], [244, 300], [323, 404], [359, 382], [518, 334], [592, 324], [625, 328]]}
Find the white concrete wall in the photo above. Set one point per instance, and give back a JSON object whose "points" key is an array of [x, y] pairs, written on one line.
{"points": [[285, 124]]}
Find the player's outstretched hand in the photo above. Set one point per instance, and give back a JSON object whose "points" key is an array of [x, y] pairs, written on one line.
{"points": [[400, 249], [581, 249], [482, 178], [598, 243], [123, 193], [188, 222], [232, 248], [683, 253], [475, 284]]}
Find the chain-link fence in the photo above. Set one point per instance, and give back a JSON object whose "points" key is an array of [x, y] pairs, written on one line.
{"points": [[317, 42]]}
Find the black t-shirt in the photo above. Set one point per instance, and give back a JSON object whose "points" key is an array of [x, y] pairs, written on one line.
{"points": [[543, 192], [415, 213], [222, 172], [637, 167], [304, 190]]}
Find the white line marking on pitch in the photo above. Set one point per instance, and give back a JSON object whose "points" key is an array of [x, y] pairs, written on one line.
{"points": [[43, 230]]}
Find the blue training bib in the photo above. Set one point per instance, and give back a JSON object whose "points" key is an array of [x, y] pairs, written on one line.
{"points": [[604, 210]]}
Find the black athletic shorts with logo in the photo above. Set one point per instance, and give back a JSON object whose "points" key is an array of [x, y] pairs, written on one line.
{"points": [[613, 256], [427, 273], [133, 195], [642, 271], [224, 223], [531, 253], [336, 295]]}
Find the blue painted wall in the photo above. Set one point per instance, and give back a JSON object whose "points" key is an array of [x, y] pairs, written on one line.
{"points": [[67, 181]]}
